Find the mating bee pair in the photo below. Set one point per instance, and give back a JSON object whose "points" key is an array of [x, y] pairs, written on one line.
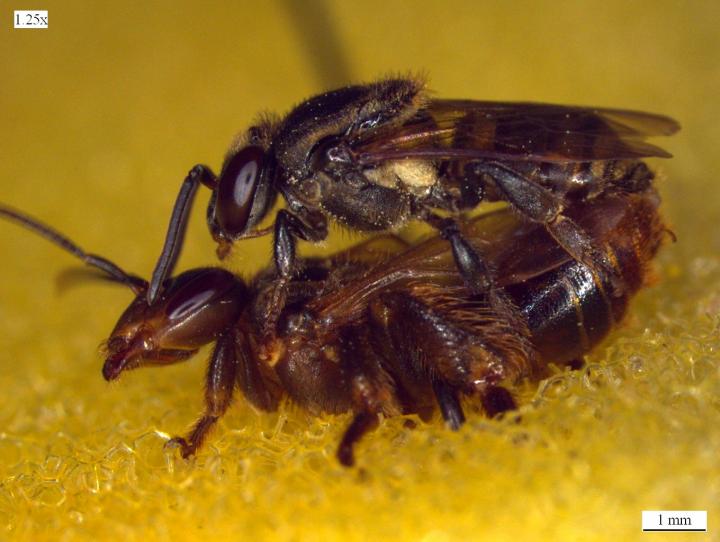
{"points": [[385, 328]]}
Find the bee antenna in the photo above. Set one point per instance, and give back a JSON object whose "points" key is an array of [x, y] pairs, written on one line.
{"points": [[115, 273]]}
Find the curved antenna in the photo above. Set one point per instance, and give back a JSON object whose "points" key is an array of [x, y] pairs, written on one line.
{"points": [[176, 228], [114, 272]]}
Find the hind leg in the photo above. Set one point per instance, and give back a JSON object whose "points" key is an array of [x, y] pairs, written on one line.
{"points": [[538, 204], [497, 400], [450, 408]]}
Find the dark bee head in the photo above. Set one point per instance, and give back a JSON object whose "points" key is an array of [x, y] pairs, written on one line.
{"points": [[191, 311], [242, 197]]}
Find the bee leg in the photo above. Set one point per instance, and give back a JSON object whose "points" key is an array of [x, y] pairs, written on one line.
{"points": [[578, 244], [198, 175], [476, 272], [218, 395], [372, 389], [429, 343], [362, 423], [311, 226], [538, 204], [450, 406], [259, 389], [496, 400]]}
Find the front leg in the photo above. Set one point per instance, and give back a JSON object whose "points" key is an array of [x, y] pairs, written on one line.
{"points": [[539, 204], [218, 394], [306, 225]]}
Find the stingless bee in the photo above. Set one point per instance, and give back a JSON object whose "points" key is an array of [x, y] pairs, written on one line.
{"points": [[386, 328], [375, 156]]}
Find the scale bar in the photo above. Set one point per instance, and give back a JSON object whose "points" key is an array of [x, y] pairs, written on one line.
{"points": [[675, 530], [674, 520]]}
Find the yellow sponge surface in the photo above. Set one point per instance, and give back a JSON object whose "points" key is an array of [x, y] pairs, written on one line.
{"points": [[104, 113]]}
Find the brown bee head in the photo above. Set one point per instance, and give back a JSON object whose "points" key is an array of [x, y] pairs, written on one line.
{"points": [[191, 311]]}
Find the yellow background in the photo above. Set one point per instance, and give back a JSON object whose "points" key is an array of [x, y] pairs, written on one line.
{"points": [[102, 115]]}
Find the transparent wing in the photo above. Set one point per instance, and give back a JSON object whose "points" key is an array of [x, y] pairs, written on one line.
{"points": [[471, 130]]}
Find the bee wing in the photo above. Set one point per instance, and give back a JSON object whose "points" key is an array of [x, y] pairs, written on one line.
{"points": [[471, 130], [501, 237], [372, 251]]}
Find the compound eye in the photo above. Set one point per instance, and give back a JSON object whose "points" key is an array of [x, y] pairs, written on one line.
{"points": [[200, 303], [236, 190]]}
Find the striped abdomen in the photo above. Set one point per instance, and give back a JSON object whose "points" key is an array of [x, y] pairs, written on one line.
{"points": [[570, 309]]}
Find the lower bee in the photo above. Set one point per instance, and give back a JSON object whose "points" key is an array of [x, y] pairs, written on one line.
{"points": [[386, 328]]}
